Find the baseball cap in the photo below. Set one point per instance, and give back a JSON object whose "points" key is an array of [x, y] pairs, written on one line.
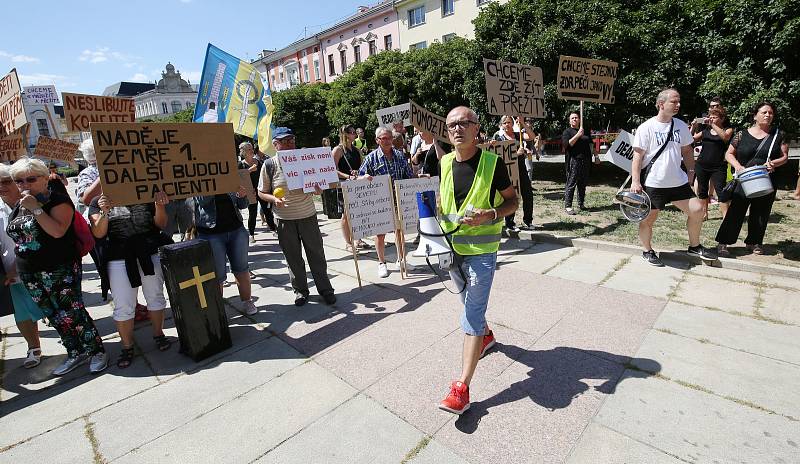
{"points": [[282, 132]]}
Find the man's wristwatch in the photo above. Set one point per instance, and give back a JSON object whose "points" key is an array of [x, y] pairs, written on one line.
{"points": [[38, 211]]}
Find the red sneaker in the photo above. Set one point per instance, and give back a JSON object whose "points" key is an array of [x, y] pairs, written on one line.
{"points": [[488, 342], [458, 400]]}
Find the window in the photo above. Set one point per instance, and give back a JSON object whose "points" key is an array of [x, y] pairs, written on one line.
{"points": [[164, 108], [176, 107], [41, 126], [418, 45], [280, 76], [331, 66], [447, 8], [304, 54], [373, 49], [316, 49], [357, 53], [448, 37], [416, 16], [306, 77], [343, 59], [316, 69], [387, 42]]}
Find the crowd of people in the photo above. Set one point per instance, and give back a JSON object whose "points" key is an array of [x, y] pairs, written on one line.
{"points": [[41, 224]]}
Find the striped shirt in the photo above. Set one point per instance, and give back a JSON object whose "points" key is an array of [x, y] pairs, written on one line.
{"points": [[376, 164]]}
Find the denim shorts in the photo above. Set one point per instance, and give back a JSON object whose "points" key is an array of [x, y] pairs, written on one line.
{"points": [[234, 245], [479, 270]]}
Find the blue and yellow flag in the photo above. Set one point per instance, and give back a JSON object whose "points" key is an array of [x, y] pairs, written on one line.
{"points": [[231, 90]]}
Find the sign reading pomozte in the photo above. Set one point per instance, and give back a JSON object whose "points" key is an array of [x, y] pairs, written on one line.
{"points": [[56, 149], [586, 79], [137, 160], [514, 89], [424, 120], [81, 110], [12, 113]]}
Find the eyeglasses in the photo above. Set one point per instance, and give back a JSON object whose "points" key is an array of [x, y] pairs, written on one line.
{"points": [[6, 181], [27, 180], [452, 126]]}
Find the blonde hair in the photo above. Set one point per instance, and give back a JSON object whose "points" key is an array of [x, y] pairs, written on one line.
{"points": [[26, 165], [344, 142], [5, 171], [87, 149]]}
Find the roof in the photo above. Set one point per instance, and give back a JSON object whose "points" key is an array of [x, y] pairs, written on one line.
{"points": [[127, 89], [359, 16]]}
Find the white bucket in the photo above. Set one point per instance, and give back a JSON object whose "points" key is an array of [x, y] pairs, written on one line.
{"points": [[755, 181]]}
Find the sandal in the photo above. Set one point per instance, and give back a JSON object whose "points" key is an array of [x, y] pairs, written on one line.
{"points": [[162, 342], [33, 359], [125, 358], [362, 245]]}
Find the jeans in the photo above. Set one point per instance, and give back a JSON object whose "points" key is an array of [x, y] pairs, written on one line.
{"points": [[479, 270], [234, 245]]}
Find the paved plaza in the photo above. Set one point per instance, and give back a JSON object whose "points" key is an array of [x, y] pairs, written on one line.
{"points": [[600, 358]]}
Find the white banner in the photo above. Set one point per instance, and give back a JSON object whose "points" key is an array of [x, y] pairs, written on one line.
{"points": [[40, 95], [387, 116], [305, 168], [407, 190], [621, 151], [370, 207]]}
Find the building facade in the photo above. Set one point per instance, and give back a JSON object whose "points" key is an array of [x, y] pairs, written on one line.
{"points": [[170, 95], [297, 63], [423, 22]]}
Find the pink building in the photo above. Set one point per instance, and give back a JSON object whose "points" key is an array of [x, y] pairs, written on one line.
{"points": [[300, 62], [369, 31]]}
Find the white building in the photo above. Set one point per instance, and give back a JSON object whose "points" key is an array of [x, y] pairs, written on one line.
{"points": [[171, 95], [423, 22]]}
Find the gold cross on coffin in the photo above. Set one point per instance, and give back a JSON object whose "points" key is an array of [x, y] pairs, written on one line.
{"points": [[197, 281]]}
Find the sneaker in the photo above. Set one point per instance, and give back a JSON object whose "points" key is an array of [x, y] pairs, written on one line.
{"points": [[383, 271], [652, 258], [33, 359], [513, 229], [329, 298], [570, 211], [300, 300], [722, 251], [703, 253], [70, 364], [252, 239], [249, 307], [98, 362], [457, 400], [488, 342], [526, 227]]}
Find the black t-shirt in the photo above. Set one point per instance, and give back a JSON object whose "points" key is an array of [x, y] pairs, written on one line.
{"points": [[126, 223], [713, 153], [36, 250], [582, 147], [747, 152], [350, 160], [464, 176], [227, 221], [56, 185], [430, 164]]}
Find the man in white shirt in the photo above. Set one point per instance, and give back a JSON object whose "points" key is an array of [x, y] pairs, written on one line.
{"points": [[666, 181]]}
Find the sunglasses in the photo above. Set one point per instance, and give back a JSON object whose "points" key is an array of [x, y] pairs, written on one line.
{"points": [[27, 180]]}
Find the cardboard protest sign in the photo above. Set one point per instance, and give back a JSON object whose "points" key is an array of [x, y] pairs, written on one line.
{"points": [[305, 168], [40, 95], [137, 160], [514, 89], [507, 150], [247, 184], [424, 120], [12, 147], [55, 149], [586, 79], [621, 151], [81, 110], [12, 113], [370, 207], [387, 116], [407, 190]]}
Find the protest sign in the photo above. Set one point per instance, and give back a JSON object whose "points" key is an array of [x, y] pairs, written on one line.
{"points": [[370, 207], [507, 151], [137, 160], [40, 95], [407, 199], [55, 149], [424, 120], [586, 79], [247, 183], [387, 116], [81, 110], [305, 168], [12, 147], [621, 151], [514, 89], [12, 113]]}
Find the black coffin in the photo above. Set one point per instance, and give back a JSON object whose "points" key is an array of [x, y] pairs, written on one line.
{"points": [[194, 294]]}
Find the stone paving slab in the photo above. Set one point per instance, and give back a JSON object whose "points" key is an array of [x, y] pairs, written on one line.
{"points": [[695, 426], [730, 275], [637, 276], [66, 445], [246, 427], [437, 453], [350, 434], [783, 305], [715, 293], [591, 268], [536, 259], [601, 444], [763, 338]]}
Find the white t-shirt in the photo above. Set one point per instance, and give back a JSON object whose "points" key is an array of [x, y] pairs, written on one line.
{"points": [[666, 171]]}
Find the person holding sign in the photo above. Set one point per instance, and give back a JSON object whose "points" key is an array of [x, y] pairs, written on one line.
{"points": [[476, 192], [348, 160], [506, 132], [382, 161], [578, 148], [131, 258], [298, 229], [668, 138]]}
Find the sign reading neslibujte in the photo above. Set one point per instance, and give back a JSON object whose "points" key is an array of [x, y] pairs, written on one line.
{"points": [[306, 168], [81, 110], [12, 113], [507, 150], [514, 89], [407, 190], [12, 147], [424, 120], [56, 149], [370, 208], [586, 79], [137, 160], [387, 116]]}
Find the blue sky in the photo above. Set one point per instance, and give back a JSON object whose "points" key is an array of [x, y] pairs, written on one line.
{"points": [[83, 46]]}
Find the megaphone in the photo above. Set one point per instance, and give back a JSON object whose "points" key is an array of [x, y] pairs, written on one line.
{"points": [[431, 241]]}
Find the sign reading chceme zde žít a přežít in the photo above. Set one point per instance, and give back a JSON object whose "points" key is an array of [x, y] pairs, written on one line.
{"points": [[514, 89]]}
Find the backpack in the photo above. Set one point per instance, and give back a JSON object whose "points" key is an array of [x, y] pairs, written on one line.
{"points": [[84, 240]]}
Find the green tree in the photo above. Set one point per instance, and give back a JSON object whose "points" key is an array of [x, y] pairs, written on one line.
{"points": [[302, 108]]}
